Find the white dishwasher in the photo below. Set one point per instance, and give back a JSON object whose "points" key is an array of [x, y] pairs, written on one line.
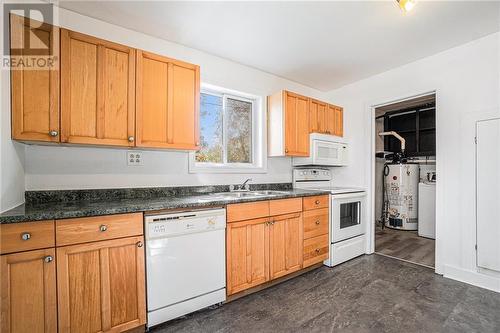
{"points": [[185, 262]]}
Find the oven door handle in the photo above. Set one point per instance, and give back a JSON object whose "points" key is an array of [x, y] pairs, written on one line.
{"points": [[349, 195]]}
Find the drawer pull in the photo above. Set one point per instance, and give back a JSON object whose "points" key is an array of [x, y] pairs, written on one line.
{"points": [[317, 222], [139, 244], [316, 202], [48, 259], [317, 250], [26, 236], [103, 227]]}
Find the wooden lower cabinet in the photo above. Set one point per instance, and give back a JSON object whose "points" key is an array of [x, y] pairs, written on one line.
{"points": [[316, 250], [101, 286], [28, 292], [259, 250], [247, 257], [285, 243]]}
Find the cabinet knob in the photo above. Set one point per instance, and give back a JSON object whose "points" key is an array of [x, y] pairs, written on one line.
{"points": [[48, 259], [317, 222], [53, 133], [317, 250], [139, 244], [286, 150], [316, 202], [131, 139], [197, 143], [103, 227], [26, 236]]}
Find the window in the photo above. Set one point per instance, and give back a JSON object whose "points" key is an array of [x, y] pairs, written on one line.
{"points": [[231, 133]]}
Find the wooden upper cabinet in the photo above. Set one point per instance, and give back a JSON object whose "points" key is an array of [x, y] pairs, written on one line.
{"points": [[101, 286], [247, 257], [317, 111], [288, 124], [334, 120], [296, 125], [285, 243], [97, 91], [168, 102], [339, 121], [35, 92], [28, 289]]}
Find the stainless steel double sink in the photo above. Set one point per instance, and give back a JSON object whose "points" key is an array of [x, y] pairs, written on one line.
{"points": [[240, 194]]}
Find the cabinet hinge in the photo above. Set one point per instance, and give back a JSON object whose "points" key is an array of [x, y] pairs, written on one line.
{"points": [[475, 247], [475, 140]]}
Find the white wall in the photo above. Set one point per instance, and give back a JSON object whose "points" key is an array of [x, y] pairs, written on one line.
{"points": [[466, 79], [67, 168], [11, 153]]}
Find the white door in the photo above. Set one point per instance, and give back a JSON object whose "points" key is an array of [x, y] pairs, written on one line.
{"points": [[488, 193]]}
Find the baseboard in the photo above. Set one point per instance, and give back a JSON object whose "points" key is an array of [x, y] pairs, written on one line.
{"points": [[472, 277]]}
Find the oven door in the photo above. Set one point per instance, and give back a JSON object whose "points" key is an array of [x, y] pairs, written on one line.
{"points": [[348, 218], [328, 153]]}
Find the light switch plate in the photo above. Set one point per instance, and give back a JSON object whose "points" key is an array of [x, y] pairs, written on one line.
{"points": [[134, 158]]}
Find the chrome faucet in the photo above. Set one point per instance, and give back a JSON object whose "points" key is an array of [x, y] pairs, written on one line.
{"points": [[242, 187]]}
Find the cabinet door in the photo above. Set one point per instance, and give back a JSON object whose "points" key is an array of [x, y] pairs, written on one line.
{"points": [[247, 259], [330, 121], [285, 243], [97, 91], [296, 124], [28, 289], [35, 93], [334, 120], [339, 122], [168, 98], [317, 112], [101, 286]]}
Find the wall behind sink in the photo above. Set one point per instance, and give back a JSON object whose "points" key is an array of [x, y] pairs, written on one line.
{"points": [[56, 167]]}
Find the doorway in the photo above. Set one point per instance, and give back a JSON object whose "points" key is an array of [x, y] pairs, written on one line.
{"points": [[405, 180]]}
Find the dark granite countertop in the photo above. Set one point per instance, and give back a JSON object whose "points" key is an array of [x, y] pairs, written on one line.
{"points": [[36, 210]]}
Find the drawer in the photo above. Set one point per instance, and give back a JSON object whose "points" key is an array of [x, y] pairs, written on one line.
{"points": [[285, 206], [19, 237], [247, 211], [318, 201], [316, 250], [97, 228], [315, 222]]}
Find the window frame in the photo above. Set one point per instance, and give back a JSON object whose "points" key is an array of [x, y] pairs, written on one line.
{"points": [[258, 140]]}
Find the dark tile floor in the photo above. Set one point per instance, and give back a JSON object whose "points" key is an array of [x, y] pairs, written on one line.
{"points": [[368, 294]]}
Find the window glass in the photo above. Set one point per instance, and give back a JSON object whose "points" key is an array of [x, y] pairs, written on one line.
{"points": [[239, 131], [226, 129], [211, 130]]}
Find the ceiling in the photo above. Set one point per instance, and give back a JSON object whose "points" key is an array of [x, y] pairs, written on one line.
{"points": [[323, 45]]}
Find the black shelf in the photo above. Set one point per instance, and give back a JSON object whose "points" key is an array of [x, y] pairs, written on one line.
{"points": [[417, 127]]}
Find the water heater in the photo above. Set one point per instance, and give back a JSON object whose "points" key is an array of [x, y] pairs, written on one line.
{"points": [[401, 185]]}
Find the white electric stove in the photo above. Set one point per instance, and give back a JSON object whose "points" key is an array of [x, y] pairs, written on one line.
{"points": [[347, 213]]}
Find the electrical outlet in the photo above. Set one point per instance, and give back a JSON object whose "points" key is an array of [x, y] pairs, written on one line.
{"points": [[134, 158]]}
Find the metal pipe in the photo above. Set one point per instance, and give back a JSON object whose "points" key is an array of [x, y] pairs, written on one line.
{"points": [[399, 137]]}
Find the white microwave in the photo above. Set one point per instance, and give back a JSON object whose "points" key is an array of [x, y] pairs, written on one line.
{"points": [[327, 150]]}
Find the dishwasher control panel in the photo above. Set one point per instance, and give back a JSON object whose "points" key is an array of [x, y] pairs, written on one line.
{"points": [[166, 225]]}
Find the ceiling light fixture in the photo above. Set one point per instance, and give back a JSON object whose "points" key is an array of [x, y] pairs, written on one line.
{"points": [[406, 5]]}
